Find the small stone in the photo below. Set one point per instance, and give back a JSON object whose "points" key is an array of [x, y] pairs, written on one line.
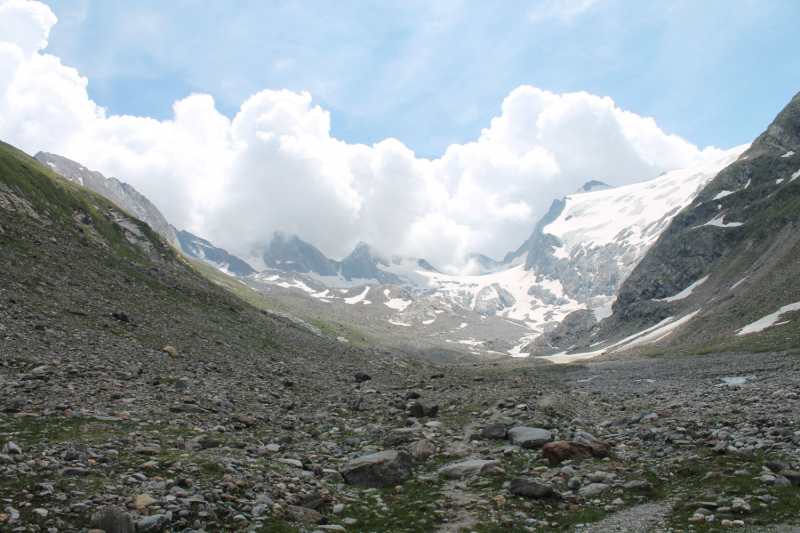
{"points": [[529, 438], [143, 500], [361, 377], [170, 351], [557, 452]]}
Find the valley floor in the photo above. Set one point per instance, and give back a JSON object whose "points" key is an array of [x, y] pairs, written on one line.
{"points": [[93, 424]]}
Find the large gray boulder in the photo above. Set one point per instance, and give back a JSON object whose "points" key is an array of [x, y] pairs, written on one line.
{"points": [[496, 431], [153, 523], [529, 488], [529, 438], [474, 467], [112, 520], [380, 469]]}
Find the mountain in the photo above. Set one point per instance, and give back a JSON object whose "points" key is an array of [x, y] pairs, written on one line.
{"points": [[363, 265], [122, 194], [217, 257], [724, 273], [593, 185], [581, 251]]}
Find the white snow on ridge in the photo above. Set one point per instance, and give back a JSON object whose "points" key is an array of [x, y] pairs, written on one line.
{"points": [[635, 214], [795, 175], [788, 154], [685, 293], [769, 320]]}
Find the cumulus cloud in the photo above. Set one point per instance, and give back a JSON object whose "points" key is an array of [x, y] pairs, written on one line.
{"points": [[275, 167]]}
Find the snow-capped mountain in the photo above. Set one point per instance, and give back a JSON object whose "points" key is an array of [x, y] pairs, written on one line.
{"points": [[220, 259], [363, 265], [122, 194]]}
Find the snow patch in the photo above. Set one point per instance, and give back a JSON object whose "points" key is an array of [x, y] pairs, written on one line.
{"points": [[795, 175], [769, 320], [723, 194], [788, 154], [737, 284], [719, 222], [685, 293], [396, 303], [604, 311], [355, 299]]}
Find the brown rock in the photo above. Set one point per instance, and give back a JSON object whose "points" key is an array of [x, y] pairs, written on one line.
{"points": [[301, 514], [557, 452], [244, 420], [171, 351], [601, 448]]}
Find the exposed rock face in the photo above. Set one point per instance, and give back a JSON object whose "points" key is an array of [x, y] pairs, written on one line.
{"points": [[122, 194], [738, 239], [378, 469], [576, 327]]}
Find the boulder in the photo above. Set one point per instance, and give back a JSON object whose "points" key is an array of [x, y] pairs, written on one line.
{"points": [[302, 514], [792, 476], [422, 450], [638, 484], [380, 469], [474, 467], [593, 489], [424, 408], [529, 438], [529, 488], [153, 523], [601, 448], [557, 452], [112, 520], [495, 431]]}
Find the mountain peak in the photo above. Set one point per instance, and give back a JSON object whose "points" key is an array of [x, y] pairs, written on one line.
{"points": [[593, 185]]}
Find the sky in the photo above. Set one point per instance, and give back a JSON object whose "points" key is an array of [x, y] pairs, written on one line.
{"points": [[430, 129]]}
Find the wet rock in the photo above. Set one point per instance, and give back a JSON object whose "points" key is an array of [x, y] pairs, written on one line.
{"points": [[112, 520], [556, 452], [529, 488], [378, 469], [529, 438], [494, 431], [474, 467]]}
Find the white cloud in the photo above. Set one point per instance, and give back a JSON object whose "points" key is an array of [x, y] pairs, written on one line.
{"points": [[276, 167]]}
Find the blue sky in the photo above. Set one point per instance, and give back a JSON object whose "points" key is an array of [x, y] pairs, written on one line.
{"points": [[432, 74]]}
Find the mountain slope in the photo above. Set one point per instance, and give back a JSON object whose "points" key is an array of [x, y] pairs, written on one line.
{"points": [[122, 194], [731, 257], [217, 257]]}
